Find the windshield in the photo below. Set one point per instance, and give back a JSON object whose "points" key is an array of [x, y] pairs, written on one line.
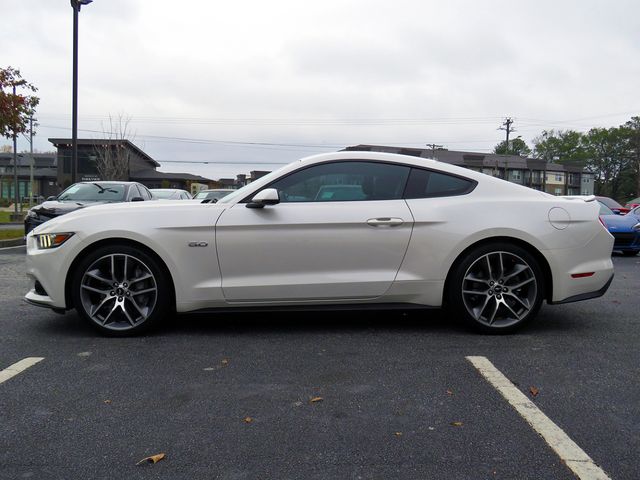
{"points": [[164, 193], [604, 210], [93, 192], [245, 190], [218, 194], [609, 202]]}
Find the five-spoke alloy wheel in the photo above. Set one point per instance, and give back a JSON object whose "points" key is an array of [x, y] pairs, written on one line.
{"points": [[121, 290], [497, 288]]}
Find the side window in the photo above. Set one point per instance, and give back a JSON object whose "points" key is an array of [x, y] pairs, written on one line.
{"points": [[426, 184], [144, 193], [133, 192], [343, 182]]}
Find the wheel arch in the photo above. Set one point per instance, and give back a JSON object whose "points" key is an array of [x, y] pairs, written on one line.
{"points": [[542, 261], [115, 241]]}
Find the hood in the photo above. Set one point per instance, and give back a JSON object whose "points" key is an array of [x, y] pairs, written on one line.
{"points": [[54, 208]]}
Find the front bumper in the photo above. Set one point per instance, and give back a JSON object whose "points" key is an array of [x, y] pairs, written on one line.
{"points": [[49, 269]]}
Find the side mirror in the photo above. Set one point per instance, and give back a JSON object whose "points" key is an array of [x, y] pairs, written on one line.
{"points": [[268, 196], [137, 199], [51, 198]]}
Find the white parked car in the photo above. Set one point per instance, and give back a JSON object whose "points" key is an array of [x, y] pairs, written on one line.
{"points": [[170, 194], [212, 195], [406, 232]]}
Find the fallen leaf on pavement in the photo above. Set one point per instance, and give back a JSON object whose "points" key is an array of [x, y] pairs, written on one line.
{"points": [[151, 459], [316, 399], [107, 402], [456, 424], [534, 391], [225, 361], [248, 419], [398, 434], [449, 392]]}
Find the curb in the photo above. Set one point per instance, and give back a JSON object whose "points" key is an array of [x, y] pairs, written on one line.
{"points": [[14, 242]]}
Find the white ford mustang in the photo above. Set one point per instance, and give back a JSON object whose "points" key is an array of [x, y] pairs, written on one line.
{"points": [[334, 231]]}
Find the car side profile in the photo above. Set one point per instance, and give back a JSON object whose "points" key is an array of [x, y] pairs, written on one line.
{"points": [[407, 232]]}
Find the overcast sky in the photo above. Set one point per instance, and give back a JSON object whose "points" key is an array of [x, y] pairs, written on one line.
{"points": [[249, 85]]}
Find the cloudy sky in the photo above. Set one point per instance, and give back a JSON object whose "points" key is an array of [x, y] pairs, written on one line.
{"points": [[249, 85]]}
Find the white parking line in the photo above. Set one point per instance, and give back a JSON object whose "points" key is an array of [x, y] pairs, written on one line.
{"points": [[575, 458], [12, 248], [18, 367]]}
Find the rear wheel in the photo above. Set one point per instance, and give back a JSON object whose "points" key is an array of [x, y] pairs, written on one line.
{"points": [[497, 288], [121, 290]]}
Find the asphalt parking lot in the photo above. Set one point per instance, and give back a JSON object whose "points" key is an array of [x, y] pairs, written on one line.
{"points": [[353, 395]]}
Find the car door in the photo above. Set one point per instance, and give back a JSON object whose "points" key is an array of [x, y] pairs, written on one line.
{"points": [[340, 231]]}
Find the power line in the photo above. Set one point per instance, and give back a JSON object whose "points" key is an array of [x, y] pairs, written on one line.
{"points": [[213, 142]]}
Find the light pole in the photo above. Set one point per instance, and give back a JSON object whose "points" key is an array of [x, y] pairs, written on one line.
{"points": [[76, 5], [32, 161], [16, 196]]}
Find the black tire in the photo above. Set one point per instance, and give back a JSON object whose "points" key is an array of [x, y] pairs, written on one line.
{"points": [[629, 253], [496, 288], [121, 290]]}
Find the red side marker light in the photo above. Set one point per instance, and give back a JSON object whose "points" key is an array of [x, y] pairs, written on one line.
{"points": [[582, 275]]}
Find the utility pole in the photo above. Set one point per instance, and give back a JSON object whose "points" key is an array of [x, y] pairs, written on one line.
{"points": [[507, 126], [433, 149]]}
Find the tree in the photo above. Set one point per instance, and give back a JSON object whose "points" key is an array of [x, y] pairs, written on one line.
{"points": [[112, 159], [517, 146], [631, 132], [15, 109], [560, 147], [608, 158]]}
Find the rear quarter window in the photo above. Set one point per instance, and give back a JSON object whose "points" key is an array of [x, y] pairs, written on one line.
{"points": [[429, 184]]}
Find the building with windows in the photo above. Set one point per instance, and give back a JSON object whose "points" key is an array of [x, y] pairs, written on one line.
{"points": [[140, 166], [45, 172], [548, 177]]}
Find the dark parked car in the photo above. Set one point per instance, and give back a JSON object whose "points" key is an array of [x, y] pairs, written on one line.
{"points": [[624, 228], [85, 194]]}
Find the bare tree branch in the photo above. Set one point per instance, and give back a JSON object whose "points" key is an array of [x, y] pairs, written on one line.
{"points": [[112, 158]]}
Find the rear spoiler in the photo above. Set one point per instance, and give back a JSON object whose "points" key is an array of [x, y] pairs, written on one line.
{"points": [[585, 198]]}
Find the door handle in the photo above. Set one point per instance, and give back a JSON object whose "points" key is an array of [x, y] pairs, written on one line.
{"points": [[385, 222]]}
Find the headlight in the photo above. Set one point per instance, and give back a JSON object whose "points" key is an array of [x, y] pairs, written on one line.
{"points": [[636, 227], [51, 240], [32, 214]]}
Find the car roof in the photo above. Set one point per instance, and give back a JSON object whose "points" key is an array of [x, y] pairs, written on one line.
{"points": [[100, 182]]}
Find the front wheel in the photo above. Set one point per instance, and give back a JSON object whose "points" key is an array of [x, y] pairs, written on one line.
{"points": [[121, 290], [496, 288], [629, 253]]}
